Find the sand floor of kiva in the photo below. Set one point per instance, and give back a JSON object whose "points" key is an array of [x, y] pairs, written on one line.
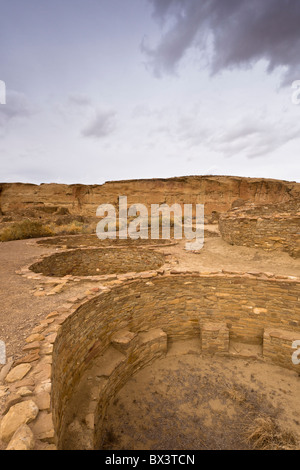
{"points": [[185, 401]]}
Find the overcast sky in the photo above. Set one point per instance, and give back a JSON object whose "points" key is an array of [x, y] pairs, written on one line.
{"points": [[100, 90]]}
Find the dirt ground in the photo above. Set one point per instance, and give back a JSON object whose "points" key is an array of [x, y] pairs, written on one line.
{"points": [[143, 412], [185, 402], [21, 310]]}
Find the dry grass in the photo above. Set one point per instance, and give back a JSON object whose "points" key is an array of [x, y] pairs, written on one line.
{"points": [[234, 394], [36, 229], [25, 229], [265, 434], [72, 228]]}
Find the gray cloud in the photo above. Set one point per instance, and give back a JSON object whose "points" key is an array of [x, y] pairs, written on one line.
{"points": [[250, 136], [79, 100], [231, 33], [101, 126], [17, 106]]}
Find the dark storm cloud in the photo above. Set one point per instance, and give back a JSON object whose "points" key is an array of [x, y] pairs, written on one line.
{"points": [[230, 33], [101, 126]]}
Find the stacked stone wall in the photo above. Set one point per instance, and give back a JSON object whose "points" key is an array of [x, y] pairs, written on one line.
{"points": [[269, 230], [128, 325]]}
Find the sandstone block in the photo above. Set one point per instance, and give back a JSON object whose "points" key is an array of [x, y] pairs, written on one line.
{"points": [[35, 337], [22, 439], [18, 373], [214, 337], [43, 428], [42, 400], [19, 414]]}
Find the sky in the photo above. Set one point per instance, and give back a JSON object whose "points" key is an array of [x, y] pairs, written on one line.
{"points": [[106, 90]]}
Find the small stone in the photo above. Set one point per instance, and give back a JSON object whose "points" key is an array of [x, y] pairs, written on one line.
{"points": [[43, 428], [42, 372], [43, 387], [27, 382], [38, 329], [32, 357], [39, 294], [18, 373], [3, 391], [11, 400], [47, 321], [51, 338], [47, 349], [24, 392], [22, 439], [52, 315], [31, 346], [19, 414], [35, 337], [42, 400], [258, 311], [5, 370]]}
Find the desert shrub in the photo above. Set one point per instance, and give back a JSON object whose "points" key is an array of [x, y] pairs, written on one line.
{"points": [[72, 228], [25, 229], [265, 434]]}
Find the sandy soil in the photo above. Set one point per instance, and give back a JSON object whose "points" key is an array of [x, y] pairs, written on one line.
{"points": [[187, 402], [20, 309], [217, 254]]}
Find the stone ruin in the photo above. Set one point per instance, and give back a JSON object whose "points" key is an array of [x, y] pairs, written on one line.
{"points": [[270, 227], [84, 352]]}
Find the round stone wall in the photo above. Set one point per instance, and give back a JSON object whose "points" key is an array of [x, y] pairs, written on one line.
{"points": [[97, 262], [91, 240], [126, 327]]}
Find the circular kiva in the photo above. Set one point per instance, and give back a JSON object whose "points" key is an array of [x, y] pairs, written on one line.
{"points": [[91, 240], [80, 356], [99, 261], [107, 339]]}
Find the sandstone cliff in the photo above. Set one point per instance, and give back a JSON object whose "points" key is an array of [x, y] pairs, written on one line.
{"points": [[216, 192]]}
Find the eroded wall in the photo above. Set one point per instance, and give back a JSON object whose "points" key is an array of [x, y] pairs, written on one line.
{"points": [[216, 192]]}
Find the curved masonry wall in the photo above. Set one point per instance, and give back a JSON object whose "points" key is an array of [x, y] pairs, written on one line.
{"points": [[95, 345], [98, 261], [277, 231], [180, 306]]}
